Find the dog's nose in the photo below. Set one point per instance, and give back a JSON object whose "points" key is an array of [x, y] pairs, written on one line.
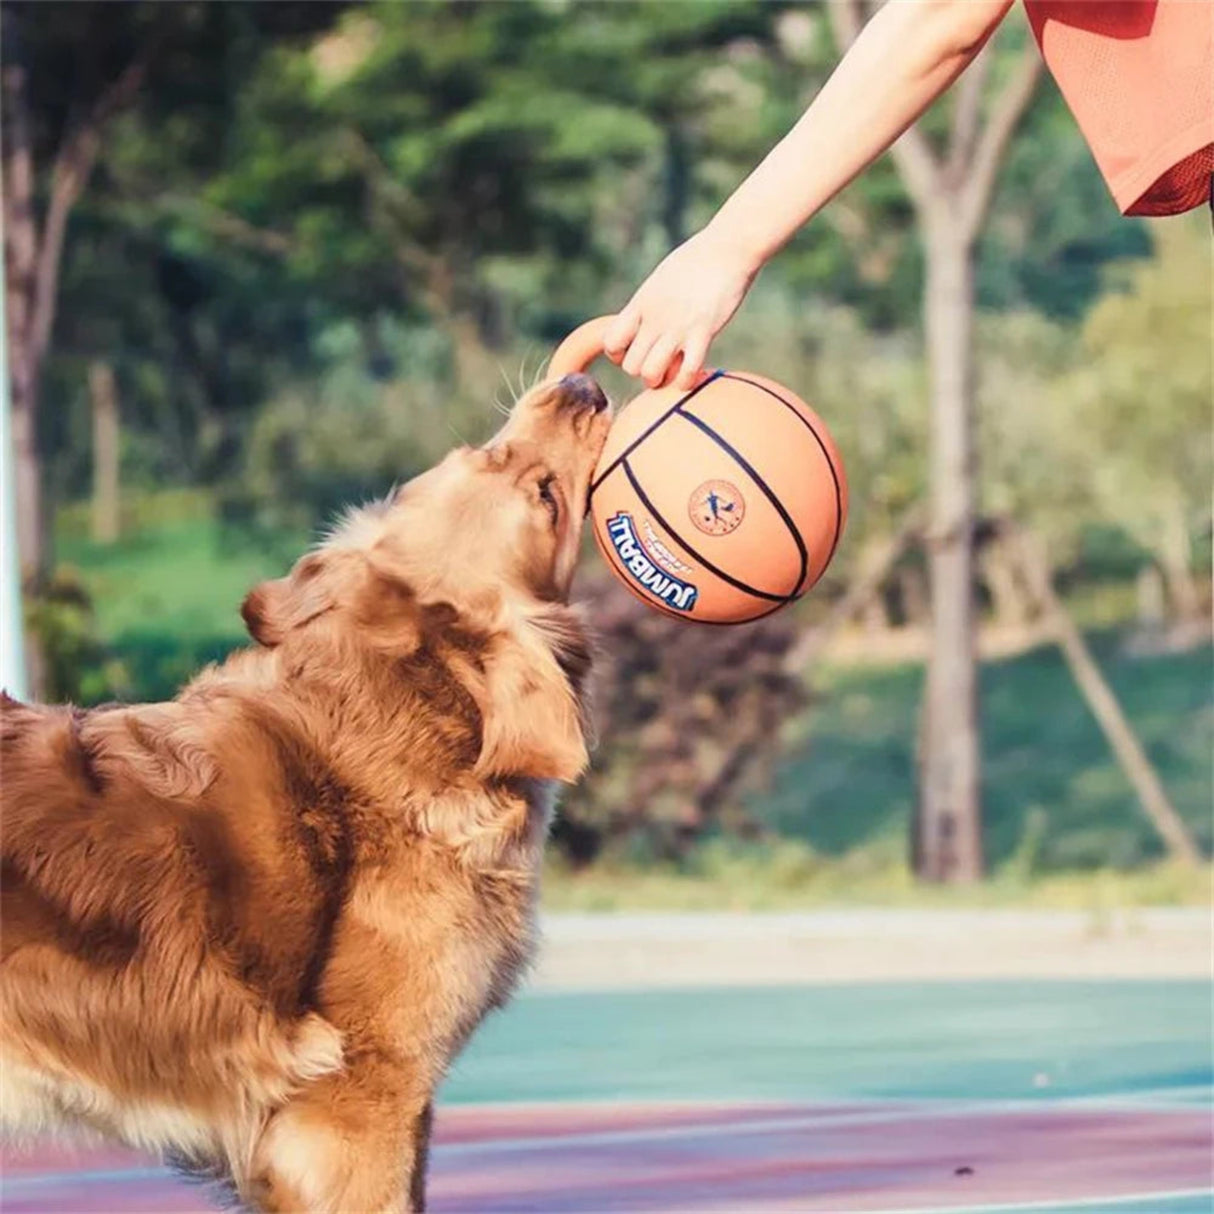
{"points": [[582, 390]]}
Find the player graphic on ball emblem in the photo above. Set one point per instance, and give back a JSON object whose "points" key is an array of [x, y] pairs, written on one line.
{"points": [[716, 507]]}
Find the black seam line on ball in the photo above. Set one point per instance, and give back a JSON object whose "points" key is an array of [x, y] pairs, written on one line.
{"points": [[764, 488], [830, 463], [640, 438], [682, 543]]}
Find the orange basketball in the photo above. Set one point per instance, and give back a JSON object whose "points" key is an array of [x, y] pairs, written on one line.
{"points": [[720, 504]]}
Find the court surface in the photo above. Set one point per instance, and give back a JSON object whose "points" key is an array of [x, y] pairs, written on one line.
{"points": [[989, 1098]]}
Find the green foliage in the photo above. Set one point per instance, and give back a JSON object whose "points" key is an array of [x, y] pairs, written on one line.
{"points": [[326, 237], [1035, 466], [166, 600], [1053, 226], [79, 668], [1054, 797], [348, 436], [496, 171], [1143, 387], [189, 351], [1097, 427], [141, 511]]}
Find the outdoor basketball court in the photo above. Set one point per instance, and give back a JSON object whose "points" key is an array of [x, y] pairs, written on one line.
{"points": [[985, 1097]]}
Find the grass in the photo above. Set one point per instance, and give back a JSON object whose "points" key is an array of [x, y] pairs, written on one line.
{"points": [[1062, 826], [167, 598], [788, 876], [1054, 797]]}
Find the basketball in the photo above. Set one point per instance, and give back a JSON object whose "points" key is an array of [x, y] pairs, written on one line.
{"points": [[721, 503]]}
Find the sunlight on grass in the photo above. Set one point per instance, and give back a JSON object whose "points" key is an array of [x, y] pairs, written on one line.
{"points": [[166, 597], [789, 877]]}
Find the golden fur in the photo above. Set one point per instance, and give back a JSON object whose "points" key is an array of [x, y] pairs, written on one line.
{"points": [[251, 927]]}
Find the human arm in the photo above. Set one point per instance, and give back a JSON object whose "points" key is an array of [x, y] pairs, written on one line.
{"points": [[903, 59]]}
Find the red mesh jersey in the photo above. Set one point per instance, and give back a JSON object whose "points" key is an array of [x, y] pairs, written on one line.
{"points": [[1138, 75]]}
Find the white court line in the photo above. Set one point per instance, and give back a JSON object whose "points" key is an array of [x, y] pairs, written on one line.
{"points": [[729, 1129], [10, 1186], [734, 1129], [1074, 1203], [1147, 1100]]}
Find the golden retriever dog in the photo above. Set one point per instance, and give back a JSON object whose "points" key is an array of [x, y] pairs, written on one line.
{"points": [[251, 927]]}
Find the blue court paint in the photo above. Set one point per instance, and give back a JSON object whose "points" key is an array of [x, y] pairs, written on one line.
{"points": [[989, 1041]]}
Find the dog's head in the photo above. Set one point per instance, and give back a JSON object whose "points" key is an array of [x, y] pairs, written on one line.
{"points": [[507, 517], [475, 557]]}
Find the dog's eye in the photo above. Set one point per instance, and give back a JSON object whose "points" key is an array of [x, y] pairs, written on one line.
{"points": [[548, 497]]}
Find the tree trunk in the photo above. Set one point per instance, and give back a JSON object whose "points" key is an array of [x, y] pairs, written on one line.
{"points": [[916, 610], [1175, 559], [874, 617], [1007, 595], [948, 828], [21, 273], [106, 434], [31, 521], [951, 188], [1149, 591], [32, 264]]}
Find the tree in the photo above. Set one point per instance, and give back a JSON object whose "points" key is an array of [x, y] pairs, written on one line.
{"points": [[1140, 397], [70, 73], [1095, 425], [33, 240], [107, 501], [951, 187]]}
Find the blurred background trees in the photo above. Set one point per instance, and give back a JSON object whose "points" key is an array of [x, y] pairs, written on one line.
{"points": [[311, 245]]}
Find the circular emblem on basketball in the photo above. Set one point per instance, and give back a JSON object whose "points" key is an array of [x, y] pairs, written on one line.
{"points": [[716, 507]]}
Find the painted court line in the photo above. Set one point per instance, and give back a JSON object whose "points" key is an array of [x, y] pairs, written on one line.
{"points": [[1056, 1205], [773, 1125], [23, 1184], [549, 1143], [612, 1138], [1142, 1100], [546, 1144]]}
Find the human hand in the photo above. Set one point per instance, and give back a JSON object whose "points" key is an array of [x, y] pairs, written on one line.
{"points": [[679, 309]]}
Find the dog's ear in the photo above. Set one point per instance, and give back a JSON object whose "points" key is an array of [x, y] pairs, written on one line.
{"points": [[533, 715], [380, 601], [274, 608]]}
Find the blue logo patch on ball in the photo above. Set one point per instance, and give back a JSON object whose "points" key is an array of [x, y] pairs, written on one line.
{"points": [[674, 593]]}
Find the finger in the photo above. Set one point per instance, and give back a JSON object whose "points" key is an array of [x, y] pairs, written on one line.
{"points": [[653, 370], [671, 377], [621, 332], [695, 350], [639, 350]]}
